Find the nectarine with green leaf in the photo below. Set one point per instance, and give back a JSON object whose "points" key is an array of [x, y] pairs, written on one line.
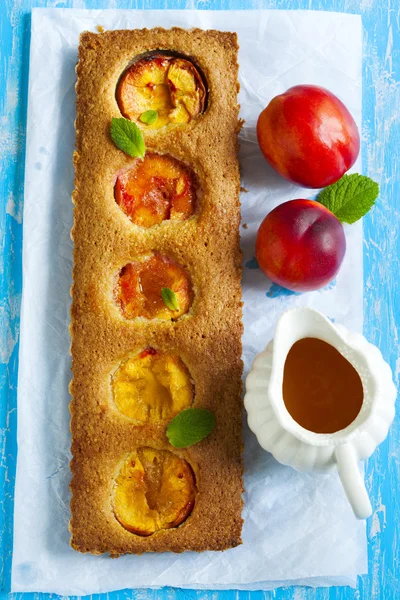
{"points": [[300, 245]]}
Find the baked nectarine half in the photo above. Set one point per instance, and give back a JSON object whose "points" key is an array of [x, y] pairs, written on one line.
{"points": [[139, 286], [154, 489], [155, 189], [170, 85], [152, 386]]}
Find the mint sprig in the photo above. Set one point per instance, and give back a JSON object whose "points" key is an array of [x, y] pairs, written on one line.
{"points": [[149, 117], [350, 198], [190, 427], [127, 137], [170, 299]]}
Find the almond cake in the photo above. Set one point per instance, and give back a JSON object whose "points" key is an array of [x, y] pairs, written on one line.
{"points": [[168, 220]]}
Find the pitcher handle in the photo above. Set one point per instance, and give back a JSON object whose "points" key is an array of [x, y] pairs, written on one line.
{"points": [[352, 481]]}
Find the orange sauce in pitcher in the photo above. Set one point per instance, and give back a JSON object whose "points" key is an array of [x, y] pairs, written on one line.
{"points": [[321, 390]]}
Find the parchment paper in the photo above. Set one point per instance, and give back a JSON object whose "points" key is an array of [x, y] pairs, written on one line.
{"points": [[298, 528]]}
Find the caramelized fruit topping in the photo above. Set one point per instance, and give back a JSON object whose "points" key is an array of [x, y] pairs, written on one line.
{"points": [[171, 86], [155, 189], [152, 386], [139, 288], [154, 489]]}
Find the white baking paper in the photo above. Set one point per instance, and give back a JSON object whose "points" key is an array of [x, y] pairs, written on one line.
{"points": [[298, 527]]}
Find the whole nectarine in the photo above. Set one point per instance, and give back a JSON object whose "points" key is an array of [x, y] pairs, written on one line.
{"points": [[300, 245], [308, 136]]}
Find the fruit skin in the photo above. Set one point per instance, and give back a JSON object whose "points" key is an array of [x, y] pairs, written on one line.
{"points": [[300, 245], [308, 136]]}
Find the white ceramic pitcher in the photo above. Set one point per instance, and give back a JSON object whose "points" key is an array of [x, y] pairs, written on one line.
{"points": [[291, 444]]}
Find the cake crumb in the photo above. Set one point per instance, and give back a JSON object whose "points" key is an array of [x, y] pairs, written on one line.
{"points": [[100, 28], [243, 189], [245, 226]]}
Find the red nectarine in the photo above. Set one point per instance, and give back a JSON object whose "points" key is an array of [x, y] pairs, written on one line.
{"points": [[300, 245], [308, 136]]}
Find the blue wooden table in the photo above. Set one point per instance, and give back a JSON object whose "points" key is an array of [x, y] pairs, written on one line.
{"points": [[381, 157]]}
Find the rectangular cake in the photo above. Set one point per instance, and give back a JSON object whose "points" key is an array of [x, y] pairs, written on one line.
{"points": [[156, 312]]}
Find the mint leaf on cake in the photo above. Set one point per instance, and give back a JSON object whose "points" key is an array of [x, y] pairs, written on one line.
{"points": [[190, 427], [149, 117], [127, 137], [169, 298]]}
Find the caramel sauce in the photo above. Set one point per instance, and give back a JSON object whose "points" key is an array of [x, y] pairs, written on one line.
{"points": [[321, 390]]}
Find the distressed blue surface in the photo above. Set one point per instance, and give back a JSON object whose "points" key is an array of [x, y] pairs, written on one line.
{"points": [[276, 290], [252, 264], [381, 149]]}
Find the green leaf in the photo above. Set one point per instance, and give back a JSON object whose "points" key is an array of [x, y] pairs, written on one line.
{"points": [[350, 198], [127, 137], [170, 299], [149, 117], [190, 426]]}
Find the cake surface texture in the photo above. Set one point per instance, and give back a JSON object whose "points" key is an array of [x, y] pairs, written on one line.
{"points": [[194, 357]]}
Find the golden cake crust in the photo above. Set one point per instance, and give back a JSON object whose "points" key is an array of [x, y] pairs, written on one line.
{"points": [[208, 338]]}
